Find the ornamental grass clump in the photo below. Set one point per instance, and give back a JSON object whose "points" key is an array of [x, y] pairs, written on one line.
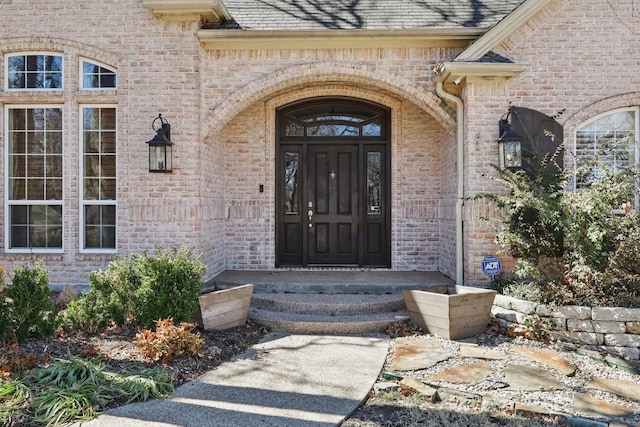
{"points": [[75, 390]]}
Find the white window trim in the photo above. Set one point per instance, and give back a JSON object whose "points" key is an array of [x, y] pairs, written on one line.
{"points": [[7, 224], [81, 201], [81, 61], [32, 53], [636, 110]]}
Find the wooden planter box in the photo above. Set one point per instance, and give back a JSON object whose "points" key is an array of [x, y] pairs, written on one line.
{"points": [[224, 309], [452, 312]]}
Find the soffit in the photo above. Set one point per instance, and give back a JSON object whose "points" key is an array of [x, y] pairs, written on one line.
{"points": [[205, 11]]}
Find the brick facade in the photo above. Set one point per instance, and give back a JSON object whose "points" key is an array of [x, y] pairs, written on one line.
{"points": [[581, 56], [221, 105]]}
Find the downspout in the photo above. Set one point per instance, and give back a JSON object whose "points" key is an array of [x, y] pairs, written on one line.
{"points": [[460, 169]]}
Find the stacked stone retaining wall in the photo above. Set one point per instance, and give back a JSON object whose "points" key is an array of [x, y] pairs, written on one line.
{"points": [[615, 330]]}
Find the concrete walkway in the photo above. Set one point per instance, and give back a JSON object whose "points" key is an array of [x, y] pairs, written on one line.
{"points": [[286, 380]]}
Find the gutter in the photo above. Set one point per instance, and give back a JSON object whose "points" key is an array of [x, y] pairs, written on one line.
{"points": [[460, 169], [222, 39]]}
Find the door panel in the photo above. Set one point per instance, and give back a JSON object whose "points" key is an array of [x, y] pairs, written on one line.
{"points": [[332, 230]]}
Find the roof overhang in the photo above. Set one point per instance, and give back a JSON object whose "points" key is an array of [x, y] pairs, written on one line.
{"points": [[223, 39], [210, 11], [457, 72]]}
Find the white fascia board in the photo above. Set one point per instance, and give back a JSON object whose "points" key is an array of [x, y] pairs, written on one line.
{"points": [[502, 30], [224, 39]]}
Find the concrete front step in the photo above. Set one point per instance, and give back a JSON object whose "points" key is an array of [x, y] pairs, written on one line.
{"points": [[327, 314], [322, 301], [328, 304]]}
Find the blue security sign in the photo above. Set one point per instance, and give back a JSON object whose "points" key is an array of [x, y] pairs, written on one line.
{"points": [[491, 265]]}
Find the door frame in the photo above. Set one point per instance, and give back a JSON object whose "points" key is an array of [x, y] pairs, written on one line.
{"points": [[299, 144]]}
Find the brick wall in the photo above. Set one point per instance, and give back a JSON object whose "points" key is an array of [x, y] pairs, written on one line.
{"points": [[581, 56], [221, 105], [158, 72]]}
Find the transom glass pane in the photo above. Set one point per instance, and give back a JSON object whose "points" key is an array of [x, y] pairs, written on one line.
{"points": [[333, 121], [35, 72], [96, 77]]}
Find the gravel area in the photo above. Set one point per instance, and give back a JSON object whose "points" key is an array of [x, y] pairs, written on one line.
{"points": [[402, 407]]}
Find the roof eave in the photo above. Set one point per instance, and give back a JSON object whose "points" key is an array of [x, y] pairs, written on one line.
{"points": [[502, 30], [225, 39], [210, 11]]}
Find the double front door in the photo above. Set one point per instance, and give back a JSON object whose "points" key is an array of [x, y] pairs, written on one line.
{"points": [[333, 205], [332, 184]]}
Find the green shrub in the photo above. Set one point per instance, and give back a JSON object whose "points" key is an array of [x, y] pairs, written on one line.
{"points": [[138, 290], [573, 247], [5, 312], [32, 313], [169, 288]]}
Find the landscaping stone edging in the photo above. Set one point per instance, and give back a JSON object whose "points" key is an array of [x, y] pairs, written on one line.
{"points": [[615, 330]]}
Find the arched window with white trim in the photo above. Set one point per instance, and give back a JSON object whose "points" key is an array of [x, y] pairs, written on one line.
{"points": [[96, 75], [609, 139]]}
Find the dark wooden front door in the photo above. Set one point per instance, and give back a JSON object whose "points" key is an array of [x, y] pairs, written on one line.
{"points": [[332, 193], [332, 207]]}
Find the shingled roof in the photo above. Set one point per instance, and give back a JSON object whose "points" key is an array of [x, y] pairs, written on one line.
{"points": [[365, 14]]}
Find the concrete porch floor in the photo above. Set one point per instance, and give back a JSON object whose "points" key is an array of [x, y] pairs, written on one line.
{"points": [[330, 281]]}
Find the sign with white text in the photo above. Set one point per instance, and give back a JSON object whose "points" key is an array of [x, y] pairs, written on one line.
{"points": [[491, 265]]}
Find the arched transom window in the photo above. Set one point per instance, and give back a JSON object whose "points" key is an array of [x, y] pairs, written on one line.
{"points": [[338, 120], [608, 139]]}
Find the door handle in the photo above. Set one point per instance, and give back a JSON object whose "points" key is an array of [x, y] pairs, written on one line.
{"points": [[310, 214]]}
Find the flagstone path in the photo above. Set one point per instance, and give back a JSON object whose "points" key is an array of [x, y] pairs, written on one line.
{"points": [[558, 382]]}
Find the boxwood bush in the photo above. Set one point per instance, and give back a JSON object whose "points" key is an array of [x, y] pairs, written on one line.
{"points": [[138, 290]]}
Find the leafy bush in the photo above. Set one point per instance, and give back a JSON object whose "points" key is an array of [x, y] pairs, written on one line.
{"points": [[28, 309], [169, 341], [139, 289], [5, 311], [573, 247], [170, 285]]}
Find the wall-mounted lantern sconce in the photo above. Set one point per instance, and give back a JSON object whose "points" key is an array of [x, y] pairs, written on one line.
{"points": [[509, 145], [160, 147]]}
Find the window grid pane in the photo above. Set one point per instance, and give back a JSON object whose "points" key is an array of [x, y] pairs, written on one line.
{"points": [[96, 77], [35, 226], [99, 177], [610, 140], [35, 177], [35, 72]]}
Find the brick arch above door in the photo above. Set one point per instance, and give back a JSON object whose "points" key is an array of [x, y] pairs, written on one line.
{"points": [[322, 74]]}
